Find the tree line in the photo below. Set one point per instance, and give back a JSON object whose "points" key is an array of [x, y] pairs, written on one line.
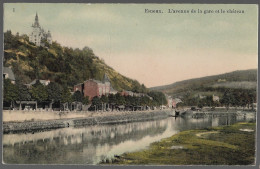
{"points": [[231, 97], [238, 97], [55, 95]]}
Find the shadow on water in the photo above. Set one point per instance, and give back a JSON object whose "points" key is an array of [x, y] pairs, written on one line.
{"points": [[91, 144]]}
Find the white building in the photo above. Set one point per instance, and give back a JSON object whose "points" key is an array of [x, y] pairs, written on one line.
{"points": [[215, 98], [38, 35]]}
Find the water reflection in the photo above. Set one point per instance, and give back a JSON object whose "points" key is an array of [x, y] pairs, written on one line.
{"points": [[90, 144]]}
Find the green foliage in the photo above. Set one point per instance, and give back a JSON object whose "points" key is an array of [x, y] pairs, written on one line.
{"points": [[39, 92], [111, 99], [120, 100], [66, 95], [158, 97], [237, 79], [10, 41], [10, 92], [63, 65], [23, 93], [235, 97], [104, 99], [96, 101], [77, 96], [85, 100], [226, 145], [54, 91]]}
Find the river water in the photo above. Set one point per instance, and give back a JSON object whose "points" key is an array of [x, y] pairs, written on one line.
{"points": [[91, 144]]}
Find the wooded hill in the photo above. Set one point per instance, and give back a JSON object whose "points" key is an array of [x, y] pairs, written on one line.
{"points": [[59, 64], [242, 79]]}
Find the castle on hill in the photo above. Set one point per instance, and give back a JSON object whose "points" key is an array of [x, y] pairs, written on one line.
{"points": [[38, 36]]}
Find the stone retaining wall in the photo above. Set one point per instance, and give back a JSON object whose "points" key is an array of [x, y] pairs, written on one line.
{"points": [[52, 124]]}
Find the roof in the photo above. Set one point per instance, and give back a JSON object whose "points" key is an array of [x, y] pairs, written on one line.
{"points": [[10, 73], [26, 102], [78, 84], [112, 89], [41, 81], [96, 81], [106, 78]]}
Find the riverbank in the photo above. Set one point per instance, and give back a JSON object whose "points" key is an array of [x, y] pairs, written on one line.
{"points": [[90, 118], [227, 145]]}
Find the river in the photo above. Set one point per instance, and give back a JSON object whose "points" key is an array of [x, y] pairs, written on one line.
{"points": [[91, 144]]}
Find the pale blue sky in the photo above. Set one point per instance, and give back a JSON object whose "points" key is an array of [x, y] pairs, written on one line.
{"points": [[155, 49]]}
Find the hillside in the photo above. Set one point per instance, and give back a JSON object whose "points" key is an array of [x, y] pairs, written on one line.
{"points": [[242, 79], [63, 65]]}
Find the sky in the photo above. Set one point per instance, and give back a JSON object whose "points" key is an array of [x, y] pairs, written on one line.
{"points": [[153, 48]]}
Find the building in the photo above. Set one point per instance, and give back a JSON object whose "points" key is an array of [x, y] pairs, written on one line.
{"points": [[170, 101], [215, 98], [201, 96], [8, 74], [176, 101], [127, 93], [222, 80], [38, 35], [92, 88]]}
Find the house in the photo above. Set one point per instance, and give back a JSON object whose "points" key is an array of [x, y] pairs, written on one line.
{"points": [[222, 80], [112, 91], [176, 101], [8, 74], [127, 93], [215, 98], [92, 88]]}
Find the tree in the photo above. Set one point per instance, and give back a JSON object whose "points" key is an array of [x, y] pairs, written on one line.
{"points": [[252, 98], [8, 38], [120, 100], [104, 99], [77, 96], [158, 97], [85, 100], [23, 93], [209, 101], [10, 92], [39, 92], [96, 102], [54, 91], [66, 95], [227, 98], [129, 100], [111, 99], [60, 64]]}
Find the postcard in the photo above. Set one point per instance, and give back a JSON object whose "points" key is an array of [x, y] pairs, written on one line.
{"points": [[130, 84]]}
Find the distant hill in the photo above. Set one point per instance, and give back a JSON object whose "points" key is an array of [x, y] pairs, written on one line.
{"points": [[244, 79], [63, 65]]}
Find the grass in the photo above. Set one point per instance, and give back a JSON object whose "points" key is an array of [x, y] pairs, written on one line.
{"points": [[211, 146]]}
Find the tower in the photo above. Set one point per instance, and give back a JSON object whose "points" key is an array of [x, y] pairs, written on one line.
{"points": [[106, 81], [38, 34], [49, 39], [36, 21]]}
